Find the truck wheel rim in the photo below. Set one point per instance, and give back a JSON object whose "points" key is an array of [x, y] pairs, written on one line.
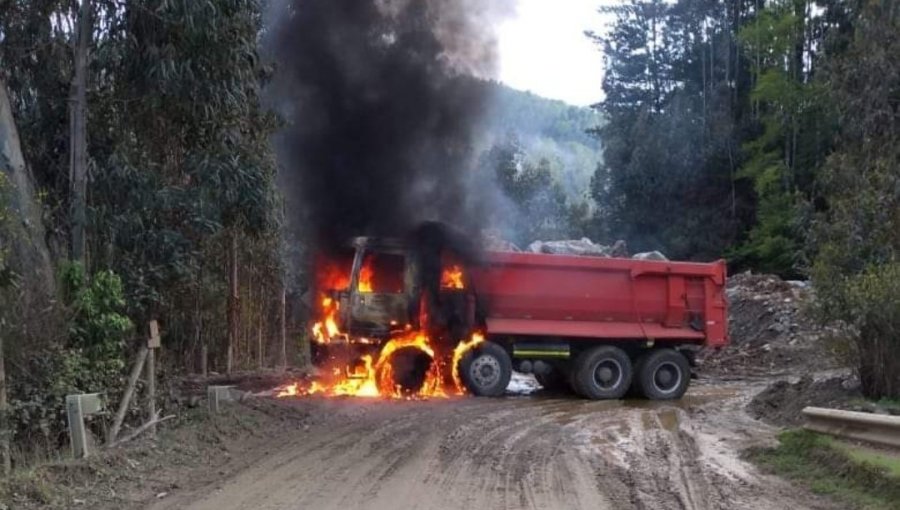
{"points": [[485, 371], [608, 374], [667, 377]]}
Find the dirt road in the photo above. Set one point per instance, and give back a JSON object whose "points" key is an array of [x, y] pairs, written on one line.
{"points": [[519, 452]]}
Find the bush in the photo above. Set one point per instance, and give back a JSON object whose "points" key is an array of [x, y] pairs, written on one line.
{"points": [[874, 311], [869, 303], [91, 358]]}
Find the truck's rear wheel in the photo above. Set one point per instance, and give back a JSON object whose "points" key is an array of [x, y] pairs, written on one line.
{"points": [[663, 374], [486, 370], [602, 373]]}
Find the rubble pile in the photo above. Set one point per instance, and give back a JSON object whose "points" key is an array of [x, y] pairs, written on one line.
{"points": [[583, 246], [492, 240], [770, 328]]}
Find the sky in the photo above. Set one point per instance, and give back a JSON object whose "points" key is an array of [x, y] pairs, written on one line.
{"points": [[543, 49]]}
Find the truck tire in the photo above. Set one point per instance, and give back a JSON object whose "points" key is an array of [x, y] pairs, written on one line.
{"points": [[602, 373], [486, 370], [663, 374]]}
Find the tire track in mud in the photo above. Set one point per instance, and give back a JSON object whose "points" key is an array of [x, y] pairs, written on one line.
{"points": [[512, 453]]}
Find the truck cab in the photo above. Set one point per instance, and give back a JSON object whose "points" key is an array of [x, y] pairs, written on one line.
{"points": [[392, 288]]}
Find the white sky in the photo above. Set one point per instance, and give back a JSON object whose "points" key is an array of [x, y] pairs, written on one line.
{"points": [[543, 49]]}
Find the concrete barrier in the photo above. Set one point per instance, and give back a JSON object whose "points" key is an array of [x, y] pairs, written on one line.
{"points": [[874, 428]]}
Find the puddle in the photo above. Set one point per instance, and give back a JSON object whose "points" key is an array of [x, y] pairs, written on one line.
{"points": [[668, 418]]}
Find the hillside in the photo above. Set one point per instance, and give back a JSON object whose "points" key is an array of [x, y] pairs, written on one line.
{"points": [[548, 129]]}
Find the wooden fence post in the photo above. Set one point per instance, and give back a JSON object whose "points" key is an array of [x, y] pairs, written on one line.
{"points": [[126, 398], [153, 343]]}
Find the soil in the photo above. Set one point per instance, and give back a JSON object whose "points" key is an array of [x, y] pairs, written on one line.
{"points": [[521, 451], [529, 449], [782, 402], [194, 448], [772, 331]]}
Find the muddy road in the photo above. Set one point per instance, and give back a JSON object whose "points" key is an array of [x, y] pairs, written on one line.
{"points": [[518, 452]]}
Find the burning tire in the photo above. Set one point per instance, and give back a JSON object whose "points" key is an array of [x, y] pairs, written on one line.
{"points": [[486, 370], [663, 374], [405, 372], [602, 373]]}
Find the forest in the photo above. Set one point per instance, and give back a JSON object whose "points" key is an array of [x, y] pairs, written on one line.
{"points": [[140, 179]]}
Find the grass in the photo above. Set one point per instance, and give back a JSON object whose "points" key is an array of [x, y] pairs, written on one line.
{"points": [[891, 463], [889, 403], [857, 477]]}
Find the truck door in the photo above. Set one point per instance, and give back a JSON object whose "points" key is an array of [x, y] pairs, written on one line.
{"points": [[379, 301]]}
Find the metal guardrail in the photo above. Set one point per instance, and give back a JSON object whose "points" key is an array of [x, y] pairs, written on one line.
{"points": [[874, 428]]}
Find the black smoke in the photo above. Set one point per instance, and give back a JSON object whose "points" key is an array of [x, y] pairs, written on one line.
{"points": [[382, 99]]}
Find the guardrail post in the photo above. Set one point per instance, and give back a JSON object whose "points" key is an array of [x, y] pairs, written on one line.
{"points": [[77, 408], [217, 395]]}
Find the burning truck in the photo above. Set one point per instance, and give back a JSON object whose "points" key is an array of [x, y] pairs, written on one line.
{"points": [[406, 318]]}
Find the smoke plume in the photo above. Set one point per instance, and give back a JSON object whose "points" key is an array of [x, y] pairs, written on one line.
{"points": [[381, 99]]}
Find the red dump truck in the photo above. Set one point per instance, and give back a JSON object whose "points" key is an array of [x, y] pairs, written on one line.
{"points": [[597, 326]]}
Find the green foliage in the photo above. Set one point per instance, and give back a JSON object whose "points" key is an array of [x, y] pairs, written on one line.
{"points": [[828, 467], [792, 124], [91, 359], [856, 236], [548, 130], [536, 205], [674, 108], [97, 328], [179, 147], [869, 302]]}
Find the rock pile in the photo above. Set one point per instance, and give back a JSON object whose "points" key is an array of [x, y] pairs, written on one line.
{"points": [[492, 241], [770, 328], [583, 246]]}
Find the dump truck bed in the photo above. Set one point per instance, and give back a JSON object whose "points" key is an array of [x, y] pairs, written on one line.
{"points": [[610, 298]]}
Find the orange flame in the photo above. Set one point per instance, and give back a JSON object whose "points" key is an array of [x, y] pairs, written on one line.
{"points": [[458, 353], [323, 331], [365, 276], [376, 378], [452, 278], [373, 377]]}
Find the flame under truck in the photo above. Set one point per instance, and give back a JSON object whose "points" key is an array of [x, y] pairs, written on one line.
{"points": [[599, 327]]}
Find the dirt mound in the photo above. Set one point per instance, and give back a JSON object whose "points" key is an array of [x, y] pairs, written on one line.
{"points": [[782, 402], [770, 328]]}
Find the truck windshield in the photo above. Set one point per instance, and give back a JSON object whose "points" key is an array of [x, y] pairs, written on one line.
{"points": [[382, 273]]}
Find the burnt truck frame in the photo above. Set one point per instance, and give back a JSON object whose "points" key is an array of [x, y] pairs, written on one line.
{"points": [[596, 326]]}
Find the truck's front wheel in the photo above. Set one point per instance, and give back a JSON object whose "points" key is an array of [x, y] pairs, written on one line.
{"points": [[602, 373], [486, 370]]}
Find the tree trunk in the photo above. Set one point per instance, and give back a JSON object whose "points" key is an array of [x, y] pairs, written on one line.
{"points": [[259, 338], [282, 363], [78, 160], [5, 431], [232, 304], [24, 237], [29, 255], [151, 388], [198, 321]]}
